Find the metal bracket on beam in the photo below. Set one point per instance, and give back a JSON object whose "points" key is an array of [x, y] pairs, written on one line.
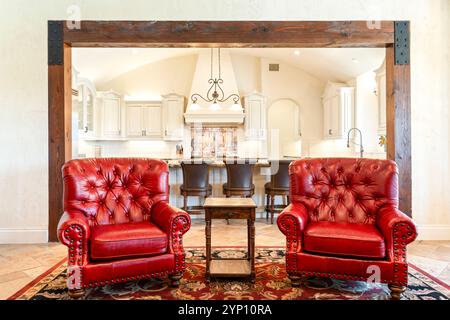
{"points": [[55, 43], [401, 44]]}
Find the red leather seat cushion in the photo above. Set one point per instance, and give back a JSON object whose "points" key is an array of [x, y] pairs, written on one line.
{"points": [[344, 239], [127, 240]]}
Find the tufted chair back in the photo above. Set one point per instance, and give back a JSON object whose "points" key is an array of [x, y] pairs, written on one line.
{"points": [[114, 190], [344, 189]]}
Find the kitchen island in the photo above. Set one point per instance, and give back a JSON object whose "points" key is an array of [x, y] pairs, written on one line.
{"points": [[217, 177]]}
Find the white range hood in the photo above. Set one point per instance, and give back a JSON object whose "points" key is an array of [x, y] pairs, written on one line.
{"points": [[228, 113]]}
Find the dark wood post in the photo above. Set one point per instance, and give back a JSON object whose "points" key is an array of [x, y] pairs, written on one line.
{"points": [[59, 119], [398, 111]]}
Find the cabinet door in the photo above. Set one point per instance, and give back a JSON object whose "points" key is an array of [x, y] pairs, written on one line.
{"points": [[135, 126], [173, 118], [331, 117], [152, 120], [77, 104], [86, 109], [89, 113], [111, 116], [255, 114], [253, 121], [335, 117], [346, 111]]}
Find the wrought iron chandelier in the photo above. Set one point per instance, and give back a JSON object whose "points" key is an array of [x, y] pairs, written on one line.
{"points": [[215, 92]]}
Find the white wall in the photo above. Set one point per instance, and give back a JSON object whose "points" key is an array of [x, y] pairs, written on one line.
{"points": [[248, 73], [173, 75], [23, 97]]}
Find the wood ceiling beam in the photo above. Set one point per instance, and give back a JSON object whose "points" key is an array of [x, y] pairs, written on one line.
{"points": [[303, 34]]}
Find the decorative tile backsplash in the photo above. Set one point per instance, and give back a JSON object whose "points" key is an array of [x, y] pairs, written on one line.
{"points": [[214, 142]]}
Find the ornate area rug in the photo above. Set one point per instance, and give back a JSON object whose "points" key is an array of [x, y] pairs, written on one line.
{"points": [[271, 283]]}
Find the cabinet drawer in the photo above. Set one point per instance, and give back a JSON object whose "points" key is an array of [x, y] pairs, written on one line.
{"points": [[230, 213]]}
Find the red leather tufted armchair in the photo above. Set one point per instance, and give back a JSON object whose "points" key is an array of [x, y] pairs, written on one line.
{"points": [[117, 223], [343, 222]]}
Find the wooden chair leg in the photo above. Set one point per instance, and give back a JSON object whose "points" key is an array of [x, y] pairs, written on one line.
{"points": [[175, 279], [396, 291], [272, 207], [295, 280], [76, 293], [227, 195], [184, 201], [267, 207]]}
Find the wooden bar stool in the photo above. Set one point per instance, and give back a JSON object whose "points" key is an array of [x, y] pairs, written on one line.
{"points": [[239, 179], [278, 186], [195, 183]]}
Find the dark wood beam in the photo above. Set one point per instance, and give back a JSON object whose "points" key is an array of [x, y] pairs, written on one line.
{"points": [[398, 124], [231, 34], [59, 132]]}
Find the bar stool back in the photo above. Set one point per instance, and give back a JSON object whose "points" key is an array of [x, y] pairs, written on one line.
{"points": [[278, 186], [239, 179], [195, 183]]}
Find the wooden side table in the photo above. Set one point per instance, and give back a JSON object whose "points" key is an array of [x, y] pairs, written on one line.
{"points": [[230, 208]]}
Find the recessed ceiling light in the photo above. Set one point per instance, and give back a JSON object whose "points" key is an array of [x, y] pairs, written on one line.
{"points": [[355, 60], [297, 52]]}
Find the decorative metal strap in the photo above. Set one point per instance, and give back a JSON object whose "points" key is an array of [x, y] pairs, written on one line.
{"points": [[55, 43], [401, 42]]}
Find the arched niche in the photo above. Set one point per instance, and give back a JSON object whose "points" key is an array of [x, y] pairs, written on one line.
{"points": [[284, 126]]}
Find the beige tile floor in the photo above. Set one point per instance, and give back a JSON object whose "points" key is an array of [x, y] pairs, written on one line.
{"points": [[19, 264]]}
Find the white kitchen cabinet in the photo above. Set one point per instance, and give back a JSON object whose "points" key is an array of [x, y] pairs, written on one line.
{"points": [[86, 108], [255, 105], [338, 110], [172, 115], [110, 105], [381, 93], [143, 119], [135, 126], [152, 120]]}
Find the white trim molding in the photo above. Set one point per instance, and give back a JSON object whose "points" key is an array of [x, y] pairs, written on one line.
{"points": [[215, 117], [23, 235], [433, 231]]}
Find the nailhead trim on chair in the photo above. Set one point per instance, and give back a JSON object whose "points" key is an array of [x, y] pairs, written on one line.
{"points": [[402, 233], [290, 227], [179, 227], [129, 278], [341, 276], [74, 239], [75, 245]]}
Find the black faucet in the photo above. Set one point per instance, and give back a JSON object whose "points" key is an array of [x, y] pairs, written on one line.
{"points": [[361, 148]]}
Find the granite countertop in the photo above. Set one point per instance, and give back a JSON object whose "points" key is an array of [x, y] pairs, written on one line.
{"points": [[262, 162]]}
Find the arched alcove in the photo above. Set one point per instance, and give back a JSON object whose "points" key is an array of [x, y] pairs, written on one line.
{"points": [[284, 125]]}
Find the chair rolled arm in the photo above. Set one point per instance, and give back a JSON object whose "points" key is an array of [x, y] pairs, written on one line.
{"points": [[398, 230], [73, 231], [170, 219], [175, 222], [291, 222], [293, 219]]}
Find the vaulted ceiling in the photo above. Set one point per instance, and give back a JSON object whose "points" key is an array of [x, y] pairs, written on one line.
{"points": [[334, 64]]}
